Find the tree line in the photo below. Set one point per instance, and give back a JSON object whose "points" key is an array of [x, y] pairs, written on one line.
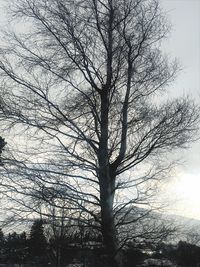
{"points": [[37, 247]]}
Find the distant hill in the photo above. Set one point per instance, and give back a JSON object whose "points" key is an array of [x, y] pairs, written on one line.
{"points": [[158, 226], [188, 229]]}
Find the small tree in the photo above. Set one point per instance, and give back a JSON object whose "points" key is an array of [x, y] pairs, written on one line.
{"points": [[16, 248], [187, 254], [58, 231], [37, 241], [2, 244], [2, 238]]}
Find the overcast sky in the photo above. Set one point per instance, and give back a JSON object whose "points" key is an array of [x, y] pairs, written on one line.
{"points": [[184, 43]]}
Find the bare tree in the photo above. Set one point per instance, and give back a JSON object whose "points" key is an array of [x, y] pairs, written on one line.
{"points": [[58, 231], [82, 90]]}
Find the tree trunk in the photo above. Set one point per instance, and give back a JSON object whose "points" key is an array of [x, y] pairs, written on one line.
{"points": [[109, 233], [107, 190]]}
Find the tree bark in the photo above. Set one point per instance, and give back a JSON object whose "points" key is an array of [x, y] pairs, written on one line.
{"points": [[107, 191], [109, 233]]}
